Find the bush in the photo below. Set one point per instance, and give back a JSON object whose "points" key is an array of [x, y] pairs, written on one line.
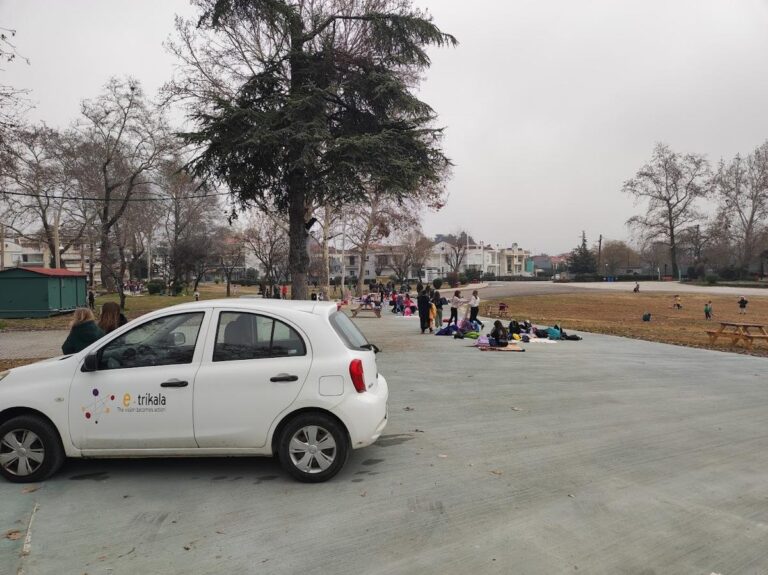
{"points": [[437, 282], [471, 275], [453, 279], [711, 280], [489, 276], [155, 287], [463, 279]]}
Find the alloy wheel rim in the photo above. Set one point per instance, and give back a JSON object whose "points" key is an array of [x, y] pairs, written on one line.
{"points": [[21, 452], [312, 449]]}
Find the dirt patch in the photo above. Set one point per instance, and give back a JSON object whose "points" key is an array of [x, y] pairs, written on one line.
{"points": [[621, 314], [11, 363]]}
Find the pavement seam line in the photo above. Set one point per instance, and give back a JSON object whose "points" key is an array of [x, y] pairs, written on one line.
{"points": [[27, 547]]}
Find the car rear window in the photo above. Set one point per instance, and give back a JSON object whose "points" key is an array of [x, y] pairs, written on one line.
{"points": [[352, 337]]}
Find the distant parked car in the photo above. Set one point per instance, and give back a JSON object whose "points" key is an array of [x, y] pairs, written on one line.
{"points": [[218, 377]]}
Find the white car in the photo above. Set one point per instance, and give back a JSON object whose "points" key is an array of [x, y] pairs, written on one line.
{"points": [[219, 378]]}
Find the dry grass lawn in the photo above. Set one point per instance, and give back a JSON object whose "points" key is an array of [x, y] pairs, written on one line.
{"points": [[621, 314]]}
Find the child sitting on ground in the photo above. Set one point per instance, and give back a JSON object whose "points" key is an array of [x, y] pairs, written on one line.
{"points": [[499, 336]]}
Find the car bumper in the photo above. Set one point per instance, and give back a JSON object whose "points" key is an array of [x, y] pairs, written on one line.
{"points": [[365, 414]]}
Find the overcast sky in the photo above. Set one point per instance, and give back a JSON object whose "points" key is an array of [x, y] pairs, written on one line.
{"points": [[549, 105]]}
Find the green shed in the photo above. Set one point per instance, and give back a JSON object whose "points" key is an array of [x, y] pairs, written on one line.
{"points": [[40, 292]]}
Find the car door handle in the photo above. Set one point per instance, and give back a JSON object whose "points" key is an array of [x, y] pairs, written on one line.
{"points": [[284, 377], [174, 383]]}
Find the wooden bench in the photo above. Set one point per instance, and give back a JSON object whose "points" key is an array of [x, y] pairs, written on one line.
{"points": [[372, 310], [750, 337]]}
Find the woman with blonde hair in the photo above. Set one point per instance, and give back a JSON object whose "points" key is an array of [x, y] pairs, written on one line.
{"points": [[83, 331], [111, 318]]}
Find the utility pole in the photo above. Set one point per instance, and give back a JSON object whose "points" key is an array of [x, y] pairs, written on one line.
{"points": [[599, 250]]}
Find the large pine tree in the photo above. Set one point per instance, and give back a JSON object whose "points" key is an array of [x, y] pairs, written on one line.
{"points": [[322, 110], [582, 260]]}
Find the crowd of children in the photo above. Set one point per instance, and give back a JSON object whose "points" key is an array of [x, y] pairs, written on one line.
{"points": [[429, 306]]}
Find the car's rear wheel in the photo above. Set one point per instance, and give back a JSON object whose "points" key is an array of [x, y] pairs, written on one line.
{"points": [[30, 449], [313, 447]]}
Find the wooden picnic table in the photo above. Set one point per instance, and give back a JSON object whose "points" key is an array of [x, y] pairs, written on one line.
{"points": [[374, 307], [738, 332]]}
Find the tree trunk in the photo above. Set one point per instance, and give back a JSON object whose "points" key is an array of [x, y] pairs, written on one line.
{"points": [[361, 268], [106, 260], [672, 243], [325, 279], [296, 180]]}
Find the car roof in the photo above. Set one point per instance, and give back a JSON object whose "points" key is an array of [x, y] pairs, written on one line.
{"points": [[307, 306]]}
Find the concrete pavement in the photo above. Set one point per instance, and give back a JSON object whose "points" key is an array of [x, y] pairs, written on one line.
{"points": [[31, 344], [605, 456]]}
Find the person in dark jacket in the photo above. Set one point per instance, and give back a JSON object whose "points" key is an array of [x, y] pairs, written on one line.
{"points": [[83, 331], [423, 303], [499, 336]]}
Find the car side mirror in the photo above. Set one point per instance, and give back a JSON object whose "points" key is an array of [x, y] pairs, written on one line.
{"points": [[91, 362], [179, 338]]}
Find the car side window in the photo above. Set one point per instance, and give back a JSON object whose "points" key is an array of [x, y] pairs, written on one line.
{"points": [[168, 340], [251, 336]]}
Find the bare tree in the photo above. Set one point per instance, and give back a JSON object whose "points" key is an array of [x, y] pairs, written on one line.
{"points": [[39, 190], [189, 214], [231, 255], [410, 254], [457, 249], [13, 101], [268, 241], [616, 255], [373, 220], [672, 184], [125, 141], [742, 190]]}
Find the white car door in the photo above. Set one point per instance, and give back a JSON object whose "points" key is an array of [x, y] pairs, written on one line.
{"points": [[253, 368], [140, 397]]}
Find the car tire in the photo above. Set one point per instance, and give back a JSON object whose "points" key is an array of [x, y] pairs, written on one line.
{"points": [[30, 449], [313, 447]]}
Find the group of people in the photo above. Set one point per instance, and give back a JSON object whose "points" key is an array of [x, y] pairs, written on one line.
{"points": [[84, 329], [430, 304], [708, 308]]}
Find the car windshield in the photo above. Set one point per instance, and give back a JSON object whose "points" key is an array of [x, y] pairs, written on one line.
{"points": [[352, 337]]}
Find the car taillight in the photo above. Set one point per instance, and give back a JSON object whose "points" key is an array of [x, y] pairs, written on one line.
{"points": [[357, 375]]}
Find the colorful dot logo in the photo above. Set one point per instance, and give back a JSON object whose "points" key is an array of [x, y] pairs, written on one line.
{"points": [[127, 400], [98, 406]]}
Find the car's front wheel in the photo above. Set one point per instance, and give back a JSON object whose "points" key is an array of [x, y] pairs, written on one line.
{"points": [[313, 447], [30, 449]]}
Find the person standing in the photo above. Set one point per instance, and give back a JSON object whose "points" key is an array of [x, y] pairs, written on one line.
{"points": [[423, 303], [474, 309], [708, 310], [456, 301], [82, 333], [197, 295], [438, 301], [111, 317], [743, 305], [284, 291], [91, 300]]}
